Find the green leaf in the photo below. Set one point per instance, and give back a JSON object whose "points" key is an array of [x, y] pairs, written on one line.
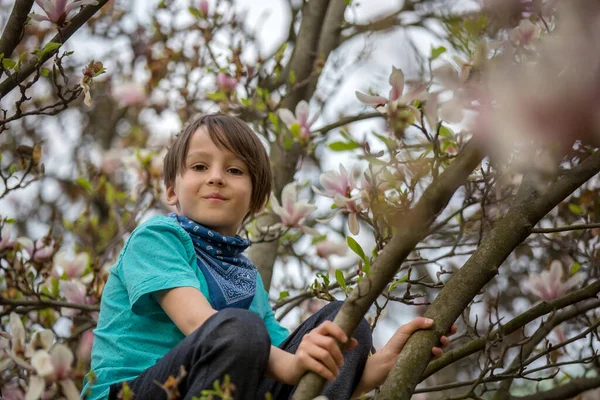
{"points": [[7, 63], [446, 132], [295, 130], [49, 48], [44, 71], [355, 247], [274, 120], [292, 77], [343, 146], [284, 294], [84, 183], [575, 209], [574, 268], [317, 239], [195, 12], [339, 277], [437, 51], [216, 96], [288, 142]]}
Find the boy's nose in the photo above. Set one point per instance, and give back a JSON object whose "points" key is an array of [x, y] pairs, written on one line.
{"points": [[216, 180]]}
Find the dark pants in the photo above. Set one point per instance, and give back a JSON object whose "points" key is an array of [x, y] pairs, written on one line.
{"points": [[236, 342]]}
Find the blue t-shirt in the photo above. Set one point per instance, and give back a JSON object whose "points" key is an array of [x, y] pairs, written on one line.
{"points": [[133, 331]]}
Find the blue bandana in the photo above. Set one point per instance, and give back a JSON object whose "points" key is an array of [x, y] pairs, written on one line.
{"points": [[230, 276]]}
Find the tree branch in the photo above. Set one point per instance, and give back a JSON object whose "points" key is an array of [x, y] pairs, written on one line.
{"points": [[480, 269], [64, 34], [347, 120], [567, 391], [415, 225], [13, 31], [565, 228], [47, 303], [516, 324]]}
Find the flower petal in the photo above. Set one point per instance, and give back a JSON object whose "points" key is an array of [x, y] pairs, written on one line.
{"points": [[302, 112], [353, 225], [69, 389], [42, 363], [286, 116], [397, 82], [36, 388], [370, 100]]}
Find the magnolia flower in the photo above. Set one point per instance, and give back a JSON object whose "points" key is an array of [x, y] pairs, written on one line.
{"points": [[130, 94], [74, 292], [52, 367], [17, 333], [525, 34], [84, 350], [37, 250], [226, 83], [292, 212], [549, 285], [326, 248], [5, 242], [396, 97], [203, 7], [335, 183], [12, 392], [72, 266], [301, 118], [41, 340], [57, 11]]}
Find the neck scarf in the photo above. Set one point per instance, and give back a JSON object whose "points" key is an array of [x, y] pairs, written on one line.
{"points": [[230, 276]]}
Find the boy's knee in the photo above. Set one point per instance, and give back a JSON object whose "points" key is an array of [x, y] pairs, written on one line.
{"points": [[244, 331]]}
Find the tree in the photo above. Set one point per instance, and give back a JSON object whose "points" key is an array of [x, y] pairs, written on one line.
{"points": [[473, 194]]}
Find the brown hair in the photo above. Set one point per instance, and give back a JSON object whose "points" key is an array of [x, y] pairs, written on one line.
{"points": [[234, 135]]}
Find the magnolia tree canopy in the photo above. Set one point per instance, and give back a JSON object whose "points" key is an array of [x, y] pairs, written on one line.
{"points": [[467, 189]]}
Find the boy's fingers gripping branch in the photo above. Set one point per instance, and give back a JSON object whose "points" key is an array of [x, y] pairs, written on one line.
{"points": [[319, 352]]}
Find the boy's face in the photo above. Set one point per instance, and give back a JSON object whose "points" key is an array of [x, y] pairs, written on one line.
{"points": [[215, 188]]}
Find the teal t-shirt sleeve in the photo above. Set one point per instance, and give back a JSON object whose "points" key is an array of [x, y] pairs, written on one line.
{"points": [[156, 258], [277, 332]]}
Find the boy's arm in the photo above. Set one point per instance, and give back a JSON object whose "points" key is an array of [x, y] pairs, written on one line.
{"points": [[188, 309]]}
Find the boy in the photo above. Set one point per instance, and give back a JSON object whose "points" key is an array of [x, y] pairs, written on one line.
{"points": [[183, 294]]}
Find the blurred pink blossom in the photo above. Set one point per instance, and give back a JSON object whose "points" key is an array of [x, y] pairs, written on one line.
{"points": [[5, 239], [37, 250], [326, 248], [52, 367], [72, 266], [203, 6], [131, 94], [226, 83], [57, 11], [84, 350], [301, 118], [396, 97], [292, 211], [74, 292], [525, 34], [12, 392], [549, 285]]}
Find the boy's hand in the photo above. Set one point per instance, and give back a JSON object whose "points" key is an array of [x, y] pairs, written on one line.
{"points": [[398, 340], [380, 364], [319, 352]]}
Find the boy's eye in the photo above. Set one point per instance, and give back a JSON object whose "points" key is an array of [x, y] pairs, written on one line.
{"points": [[198, 167], [235, 171]]}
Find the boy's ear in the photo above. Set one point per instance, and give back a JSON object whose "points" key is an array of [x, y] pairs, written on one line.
{"points": [[171, 196]]}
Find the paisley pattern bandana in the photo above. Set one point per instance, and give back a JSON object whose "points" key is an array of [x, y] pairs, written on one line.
{"points": [[230, 276]]}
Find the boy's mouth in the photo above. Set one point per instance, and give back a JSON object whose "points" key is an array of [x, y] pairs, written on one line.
{"points": [[215, 197]]}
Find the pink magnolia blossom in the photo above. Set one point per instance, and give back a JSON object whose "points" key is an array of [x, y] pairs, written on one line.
{"points": [[84, 350], [130, 94], [302, 118], [335, 183], [525, 34], [72, 266], [396, 97], [292, 211], [37, 250], [12, 392], [203, 7], [5, 241], [41, 340], [226, 83], [17, 333], [549, 285], [326, 248], [57, 11], [52, 367], [74, 292]]}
